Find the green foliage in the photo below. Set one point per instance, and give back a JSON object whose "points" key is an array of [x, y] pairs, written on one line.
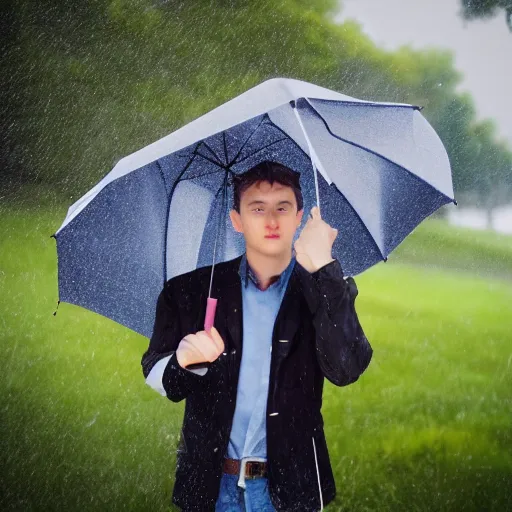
{"points": [[87, 83], [472, 9]]}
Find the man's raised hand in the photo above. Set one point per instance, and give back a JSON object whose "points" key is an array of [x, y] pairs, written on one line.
{"points": [[200, 347]]}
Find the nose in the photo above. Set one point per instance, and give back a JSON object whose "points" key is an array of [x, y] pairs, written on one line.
{"points": [[271, 220]]}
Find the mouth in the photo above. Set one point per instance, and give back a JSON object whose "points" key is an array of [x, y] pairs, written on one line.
{"points": [[273, 236]]}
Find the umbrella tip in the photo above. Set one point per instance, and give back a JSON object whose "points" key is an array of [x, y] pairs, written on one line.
{"points": [[455, 202], [292, 103]]}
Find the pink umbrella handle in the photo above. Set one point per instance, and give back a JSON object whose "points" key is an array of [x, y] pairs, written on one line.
{"points": [[211, 306]]}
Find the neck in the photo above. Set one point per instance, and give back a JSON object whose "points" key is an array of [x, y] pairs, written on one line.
{"points": [[265, 267]]}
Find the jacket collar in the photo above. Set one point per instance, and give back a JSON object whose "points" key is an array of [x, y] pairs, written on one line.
{"points": [[227, 288], [246, 272]]}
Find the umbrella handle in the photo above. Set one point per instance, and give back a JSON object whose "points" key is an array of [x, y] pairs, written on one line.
{"points": [[211, 306]]}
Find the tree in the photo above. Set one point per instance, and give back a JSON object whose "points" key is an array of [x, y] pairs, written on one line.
{"points": [[86, 83], [472, 9]]}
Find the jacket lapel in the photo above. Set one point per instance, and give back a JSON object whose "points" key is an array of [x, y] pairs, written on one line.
{"points": [[228, 290], [288, 316]]}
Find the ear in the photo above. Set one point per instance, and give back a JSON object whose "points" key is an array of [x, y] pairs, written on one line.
{"points": [[300, 213], [236, 220]]}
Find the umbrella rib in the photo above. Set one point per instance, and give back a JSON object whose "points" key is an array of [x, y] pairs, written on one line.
{"points": [[201, 175], [162, 174], [263, 121], [209, 159], [261, 149], [225, 147], [291, 139], [212, 152], [246, 141], [367, 150]]}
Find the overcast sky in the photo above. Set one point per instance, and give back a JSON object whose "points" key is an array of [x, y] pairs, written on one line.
{"points": [[482, 49]]}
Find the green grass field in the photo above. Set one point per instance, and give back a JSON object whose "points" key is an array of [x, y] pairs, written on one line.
{"points": [[427, 427]]}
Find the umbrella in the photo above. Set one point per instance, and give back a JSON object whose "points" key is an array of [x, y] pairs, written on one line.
{"points": [[378, 167]]}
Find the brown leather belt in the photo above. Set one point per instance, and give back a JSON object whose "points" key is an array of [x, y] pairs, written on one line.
{"points": [[253, 468]]}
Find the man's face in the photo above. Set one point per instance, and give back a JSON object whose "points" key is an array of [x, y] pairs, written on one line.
{"points": [[267, 210]]}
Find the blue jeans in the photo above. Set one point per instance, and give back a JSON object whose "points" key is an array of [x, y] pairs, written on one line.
{"points": [[232, 498]]}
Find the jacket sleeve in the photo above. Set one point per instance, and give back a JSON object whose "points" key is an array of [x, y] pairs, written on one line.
{"points": [[342, 349], [159, 364]]}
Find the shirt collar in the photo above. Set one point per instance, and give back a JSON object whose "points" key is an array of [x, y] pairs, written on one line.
{"points": [[245, 271]]}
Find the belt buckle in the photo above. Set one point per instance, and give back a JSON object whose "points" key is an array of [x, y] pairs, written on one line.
{"points": [[243, 468]]}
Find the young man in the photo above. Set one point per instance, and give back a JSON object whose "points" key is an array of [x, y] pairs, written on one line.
{"points": [[252, 436]]}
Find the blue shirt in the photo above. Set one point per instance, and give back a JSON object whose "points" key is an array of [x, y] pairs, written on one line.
{"points": [[260, 308]]}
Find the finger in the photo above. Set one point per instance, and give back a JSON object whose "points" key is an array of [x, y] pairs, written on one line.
{"points": [[315, 212], [211, 341], [206, 347], [211, 353], [200, 347], [217, 338], [192, 341], [186, 343], [190, 346]]}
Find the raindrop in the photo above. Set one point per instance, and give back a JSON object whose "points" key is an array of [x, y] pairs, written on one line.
{"points": [[93, 421]]}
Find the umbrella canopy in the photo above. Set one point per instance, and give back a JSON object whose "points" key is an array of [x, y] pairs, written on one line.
{"points": [[162, 211]]}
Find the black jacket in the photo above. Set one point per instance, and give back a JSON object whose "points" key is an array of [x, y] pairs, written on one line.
{"points": [[325, 339]]}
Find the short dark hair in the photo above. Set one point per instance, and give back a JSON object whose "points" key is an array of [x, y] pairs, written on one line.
{"points": [[267, 171]]}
